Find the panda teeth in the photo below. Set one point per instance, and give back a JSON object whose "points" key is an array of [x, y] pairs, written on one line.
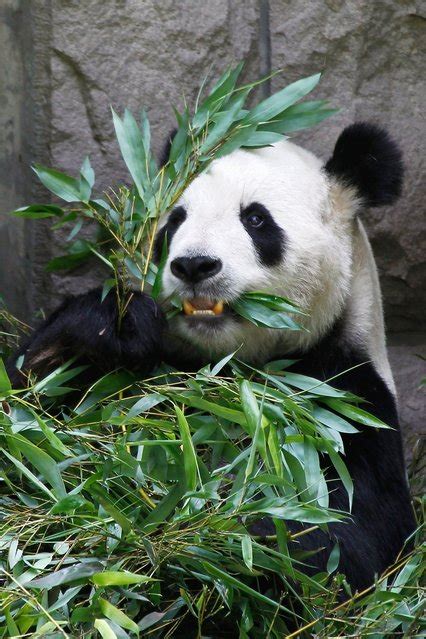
{"points": [[191, 309]]}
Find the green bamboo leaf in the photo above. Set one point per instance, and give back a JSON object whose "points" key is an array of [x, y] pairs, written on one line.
{"points": [[332, 420], [105, 629], [311, 467], [276, 103], [275, 302], [224, 122], [145, 404], [314, 386], [164, 508], [333, 559], [38, 211], [180, 139], [135, 269], [119, 578], [117, 616], [235, 141], [250, 407], [87, 178], [261, 315], [189, 454], [253, 417], [64, 262], [158, 282], [70, 503], [5, 385], [77, 572], [105, 500], [12, 628], [247, 550], [133, 151], [406, 573], [24, 470], [108, 285], [274, 450], [306, 512], [46, 466], [263, 138], [240, 585], [62, 185], [299, 116], [353, 412], [53, 439], [217, 96], [342, 471], [151, 619], [229, 414], [221, 364]]}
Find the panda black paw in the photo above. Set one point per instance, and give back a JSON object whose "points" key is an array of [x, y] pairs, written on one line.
{"points": [[91, 329]]}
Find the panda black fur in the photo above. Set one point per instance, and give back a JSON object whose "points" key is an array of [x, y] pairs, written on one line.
{"points": [[275, 219]]}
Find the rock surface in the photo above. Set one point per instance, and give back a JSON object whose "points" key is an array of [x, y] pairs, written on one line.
{"points": [[373, 57], [69, 61]]}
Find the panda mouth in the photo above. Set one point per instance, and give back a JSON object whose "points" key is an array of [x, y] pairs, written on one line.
{"points": [[202, 307]]}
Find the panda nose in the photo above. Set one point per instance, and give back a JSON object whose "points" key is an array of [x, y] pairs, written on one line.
{"points": [[195, 269]]}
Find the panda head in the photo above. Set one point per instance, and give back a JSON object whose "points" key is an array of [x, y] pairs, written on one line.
{"points": [[273, 219]]}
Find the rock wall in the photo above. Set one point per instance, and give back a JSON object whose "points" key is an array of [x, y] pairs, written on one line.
{"points": [[67, 62]]}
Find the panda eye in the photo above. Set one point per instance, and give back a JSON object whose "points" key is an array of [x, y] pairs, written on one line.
{"points": [[256, 220], [177, 216]]}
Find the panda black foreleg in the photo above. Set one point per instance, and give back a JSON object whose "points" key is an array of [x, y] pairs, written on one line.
{"points": [[92, 330]]}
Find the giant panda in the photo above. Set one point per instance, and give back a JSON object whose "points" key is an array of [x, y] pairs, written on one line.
{"points": [[275, 219]]}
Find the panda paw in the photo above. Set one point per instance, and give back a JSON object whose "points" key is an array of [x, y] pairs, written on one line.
{"points": [[91, 329]]}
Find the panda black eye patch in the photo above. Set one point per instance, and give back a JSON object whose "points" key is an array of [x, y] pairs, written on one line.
{"points": [[176, 218], [268, 238]]}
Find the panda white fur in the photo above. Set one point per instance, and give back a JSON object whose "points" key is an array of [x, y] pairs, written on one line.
{"points": [[274, 219]]}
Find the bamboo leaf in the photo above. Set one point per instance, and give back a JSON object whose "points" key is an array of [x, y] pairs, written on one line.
{"points": [[76, 572], [117, 616], [45, 465], [353, 412], [247, 550], [38, 211], [24, 470], [119, 578], [132, 149], [276, 103], [105, 629], [65, 187], [300, 116], [261, 315], [333, 559], [5, 385], [189, 454]]}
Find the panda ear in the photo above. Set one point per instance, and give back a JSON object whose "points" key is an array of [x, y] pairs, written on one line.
{"points": [[365, 157], [165, 153]]}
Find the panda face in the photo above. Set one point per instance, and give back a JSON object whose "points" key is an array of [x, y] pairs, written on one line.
{"points": [[256, 220]]}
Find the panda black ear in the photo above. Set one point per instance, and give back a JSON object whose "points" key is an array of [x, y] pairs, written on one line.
{"points": [[165, 153], [367, 158]]}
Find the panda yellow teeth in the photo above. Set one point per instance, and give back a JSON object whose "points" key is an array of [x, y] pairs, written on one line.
{"points": [[218, 308], [202, 307]]}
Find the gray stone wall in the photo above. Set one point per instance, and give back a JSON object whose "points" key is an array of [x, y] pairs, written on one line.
{"points": [[65, 62]]}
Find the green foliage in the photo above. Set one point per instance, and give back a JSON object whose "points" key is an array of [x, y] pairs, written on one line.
{"points": [[129, 512]]}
